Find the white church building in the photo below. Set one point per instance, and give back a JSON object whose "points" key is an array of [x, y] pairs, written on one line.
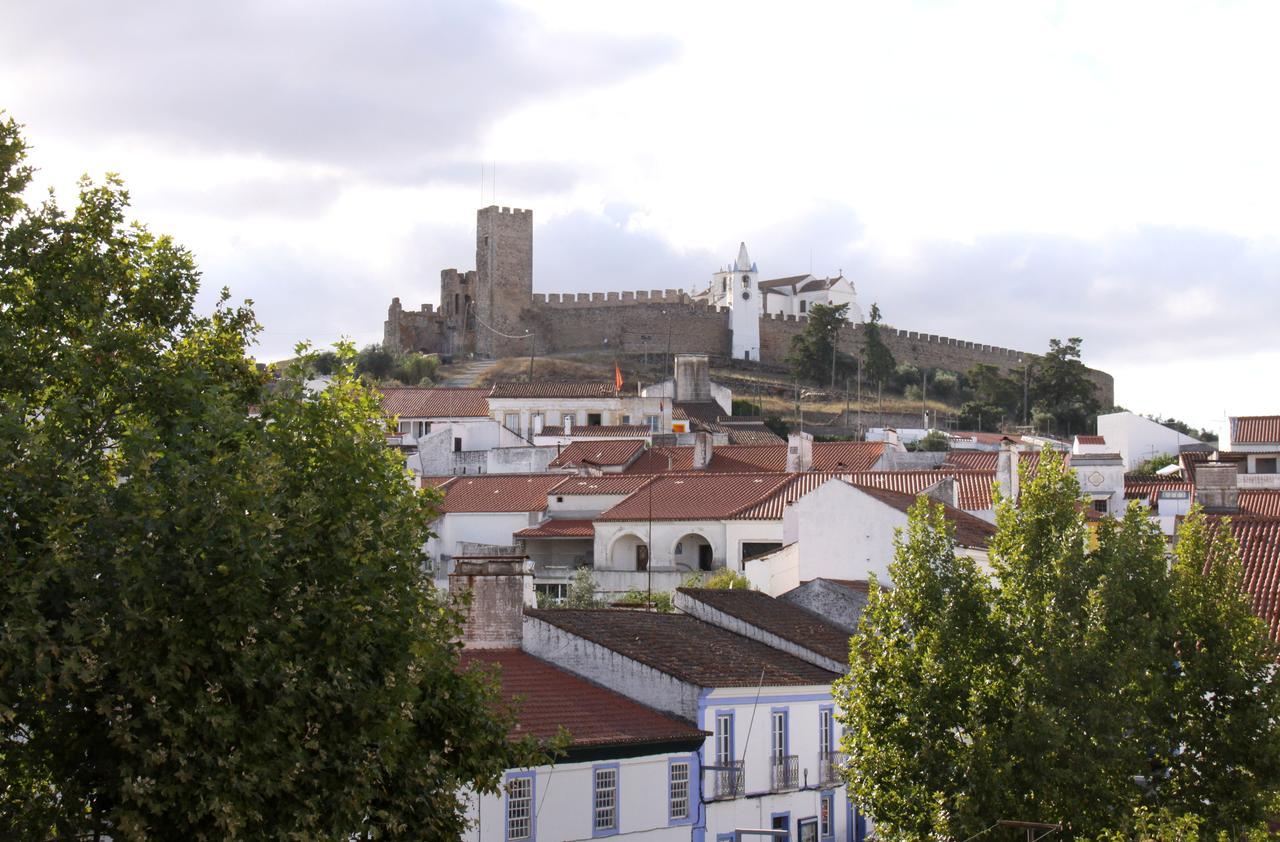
{"points": [[738, 286]]}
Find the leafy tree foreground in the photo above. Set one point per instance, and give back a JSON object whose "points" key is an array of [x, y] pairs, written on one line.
{"points": [[1097, 683], [212, 625]]}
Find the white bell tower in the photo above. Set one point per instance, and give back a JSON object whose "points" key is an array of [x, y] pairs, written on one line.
{"points": [[736, 287]]}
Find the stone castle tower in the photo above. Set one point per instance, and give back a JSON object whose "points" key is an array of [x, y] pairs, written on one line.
{"points": [[504, 279]]}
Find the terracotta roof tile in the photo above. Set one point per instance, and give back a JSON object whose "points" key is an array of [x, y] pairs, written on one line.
{"points": [[499, 493], [697, 496], [969, 531], [556, 528], [1091, 440], [1260, 502], [439, 402], [547, 698], [609, 452], [686, 648], [773, 506], [973, 488], [1144, 487], [787, 621], [622, 484], [573, 389], [1192, 459], [1259, 540], [987, 460], [747, 458], [1255, 429]]}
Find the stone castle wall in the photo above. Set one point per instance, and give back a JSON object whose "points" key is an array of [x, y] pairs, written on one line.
{"points": [[636, 325]]}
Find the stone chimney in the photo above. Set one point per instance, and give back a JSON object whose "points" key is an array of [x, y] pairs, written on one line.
{"points": [[945, 491], [1217, 486], [1007, 470], [500, 588], [693, 377], [702, 451], [800, 452]]}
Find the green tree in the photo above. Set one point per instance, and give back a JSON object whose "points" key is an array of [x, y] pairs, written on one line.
{"points": [[212, 626], [878, 364], [814, 356], [1155, 463], [727, 579], [414, 369], [376, 362], [1071, 684], [582, 590], [935, 441], [1061, 389]]}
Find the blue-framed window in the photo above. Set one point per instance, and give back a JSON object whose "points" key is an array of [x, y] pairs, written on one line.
{"points": [[827, 815], [724, 737], [680, 790], [521, 822], [605, 779], [826, 730], [781, 821], [780, 737]]}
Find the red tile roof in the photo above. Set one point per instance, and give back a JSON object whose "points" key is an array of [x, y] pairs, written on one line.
{"points": [[609, 452], [439, 402], [600, 431], [987, 460], [1191, 459], [973, 488], [546, 698], [1255, 429], [558, 529], [1259, 540], [782, 619], [1260, 502], [1091, 439], [699, 496], [686, 648], [1139, 487], [554, 390], [499, 493], [622, 484], [747, 458], [775, 505]]}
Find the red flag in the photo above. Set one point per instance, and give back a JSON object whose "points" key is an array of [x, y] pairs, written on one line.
{"points": [[617, 377]]}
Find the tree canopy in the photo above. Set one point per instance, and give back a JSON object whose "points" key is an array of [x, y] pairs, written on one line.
{"points": [[814, 355], [878, 364], [213, 622], [1087, 679], [1061, 391]]}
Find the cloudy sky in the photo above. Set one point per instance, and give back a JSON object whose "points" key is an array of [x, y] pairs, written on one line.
{"points": [[1002, 172]]}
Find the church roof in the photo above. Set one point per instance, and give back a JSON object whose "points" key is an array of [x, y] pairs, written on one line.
{"points": [[743, 263]]}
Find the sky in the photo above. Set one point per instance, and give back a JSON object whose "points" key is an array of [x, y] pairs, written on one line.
{"points": [[1002, 172]]}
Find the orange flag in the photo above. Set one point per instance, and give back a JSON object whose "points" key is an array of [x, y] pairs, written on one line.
{"points": [[617, 377]]}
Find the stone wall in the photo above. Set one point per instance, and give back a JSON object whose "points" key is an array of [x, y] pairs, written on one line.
{"points": [[635, 326], [504, 278]]}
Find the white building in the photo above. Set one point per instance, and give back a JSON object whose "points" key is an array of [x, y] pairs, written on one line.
{"points": [[1257, 439], [844, 532], [532, 410], [1138, 439], [796, 295]]}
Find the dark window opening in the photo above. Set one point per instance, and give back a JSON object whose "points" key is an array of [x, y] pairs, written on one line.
{"points": [[1265, 466], [457, 445], [593, 419], [642, 557], [1100, 505], [705, 560], [751, 549]]}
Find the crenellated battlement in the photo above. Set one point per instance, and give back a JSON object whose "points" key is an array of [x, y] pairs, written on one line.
{"points": [[590, 299]]}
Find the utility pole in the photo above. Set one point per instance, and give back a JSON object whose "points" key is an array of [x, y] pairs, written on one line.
{"points": [[924, 395], [533, 345], [859, 396]]}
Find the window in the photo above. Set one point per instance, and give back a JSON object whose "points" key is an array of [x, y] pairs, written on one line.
{"points": [[751, 549], [457, 444], [520, 807], [724, 739], [654, 423], [779, 734], [1100, 505], [803, 304], [593, 419], [679, 547], [535, 423], [678, 791], [606, 799], [404, 426], [554, 593], [423, 427], [824, 731], [511, 421], [826, 803], [808, 830], [1265, 465]]}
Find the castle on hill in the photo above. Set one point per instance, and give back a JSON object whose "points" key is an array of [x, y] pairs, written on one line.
{"points": [[492, 311]]}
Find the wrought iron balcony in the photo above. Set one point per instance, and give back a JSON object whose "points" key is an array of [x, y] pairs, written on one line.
{"points": [[786, 772], [829, 766], [731, 782]]}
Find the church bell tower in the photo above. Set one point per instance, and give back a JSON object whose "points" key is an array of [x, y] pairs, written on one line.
{"points": [[737, 287]]}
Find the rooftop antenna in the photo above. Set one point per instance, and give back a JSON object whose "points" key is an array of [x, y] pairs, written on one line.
{"points": [[494, 173]]}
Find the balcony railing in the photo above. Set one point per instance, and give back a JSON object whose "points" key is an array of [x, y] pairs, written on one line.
{"points": [[731, 782], [829, 766], [786, 772]]}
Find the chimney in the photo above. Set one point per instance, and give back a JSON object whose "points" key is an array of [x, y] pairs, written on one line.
{"points": [[1007, 470], [495, 618], [693, 378], [702, 451], [945, 491], [568, 425], [800, 452], [1217, 486]]}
